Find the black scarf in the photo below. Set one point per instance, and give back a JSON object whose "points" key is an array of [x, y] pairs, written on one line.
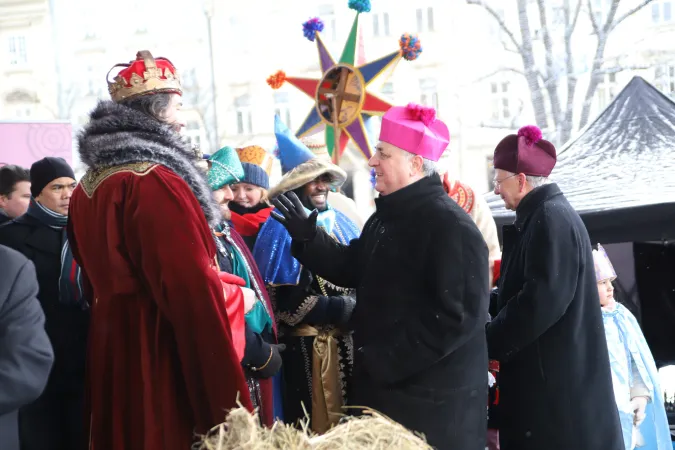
{"points": [[70, 281]]}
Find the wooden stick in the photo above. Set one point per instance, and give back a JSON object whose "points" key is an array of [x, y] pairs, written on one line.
{"points": [[336, 131]]}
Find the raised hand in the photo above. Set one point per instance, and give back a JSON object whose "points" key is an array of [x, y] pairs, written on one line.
{"points": [[300, 226]]}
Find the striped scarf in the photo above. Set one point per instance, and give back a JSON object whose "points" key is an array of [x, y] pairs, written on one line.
{"points": [[70, 280]]}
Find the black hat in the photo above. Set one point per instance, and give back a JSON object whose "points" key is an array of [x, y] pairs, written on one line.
{"points": [[45, 171]]}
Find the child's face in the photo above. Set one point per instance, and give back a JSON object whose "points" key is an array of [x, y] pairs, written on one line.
{"points": [[606, 292]]}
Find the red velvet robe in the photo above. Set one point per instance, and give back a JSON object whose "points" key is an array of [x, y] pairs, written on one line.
{"points": [[161, 364]]}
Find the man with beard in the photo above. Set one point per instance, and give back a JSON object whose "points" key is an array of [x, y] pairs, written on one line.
{"points": [[555, 382], [420, 269], [261, 359], [162, 364], [311, 311], [54, 421]]}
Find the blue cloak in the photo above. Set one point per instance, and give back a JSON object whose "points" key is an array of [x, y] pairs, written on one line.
{"points": [[629, 355]]}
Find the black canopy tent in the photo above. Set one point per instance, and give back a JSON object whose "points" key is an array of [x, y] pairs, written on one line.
{"points": [[619, 174]]}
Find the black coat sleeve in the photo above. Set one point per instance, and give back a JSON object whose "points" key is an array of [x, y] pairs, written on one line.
{"points": [[26, 354], [551, 273], [300, 304], [329, 259], [456, 306]]}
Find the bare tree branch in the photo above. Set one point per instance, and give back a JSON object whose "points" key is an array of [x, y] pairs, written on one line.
{"points": [[610, 16], [591, 15], [630, 13], [499, 20], [551, 81], [565, 130], [506, 47], [570, 26], [529, 64]]}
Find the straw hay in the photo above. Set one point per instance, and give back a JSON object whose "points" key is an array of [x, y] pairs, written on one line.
{"points": [[372, 431]]}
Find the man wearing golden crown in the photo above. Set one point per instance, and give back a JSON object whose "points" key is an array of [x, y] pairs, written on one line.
{"points": [[162, 362]]}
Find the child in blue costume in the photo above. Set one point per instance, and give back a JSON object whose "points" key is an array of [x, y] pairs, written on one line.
{"points": [[634, 373]]}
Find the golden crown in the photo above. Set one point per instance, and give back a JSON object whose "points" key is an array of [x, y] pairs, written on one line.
{"points": [[145, 75]]}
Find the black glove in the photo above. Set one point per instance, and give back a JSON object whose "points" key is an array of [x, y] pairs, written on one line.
{"points": [[301, 227], [270, 367], [331, 310], [340, 309]]}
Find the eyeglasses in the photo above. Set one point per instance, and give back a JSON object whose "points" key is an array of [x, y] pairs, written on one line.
{"points": [[499, 182]]}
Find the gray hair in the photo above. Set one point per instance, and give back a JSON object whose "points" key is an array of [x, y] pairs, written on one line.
{"points": [[536, 182], [154, 105], [429, 167]]}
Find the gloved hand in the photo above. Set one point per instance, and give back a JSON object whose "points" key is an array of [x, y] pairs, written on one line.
{"points": [[639, 407], [293, 217], [340, 309], [269, 368]]}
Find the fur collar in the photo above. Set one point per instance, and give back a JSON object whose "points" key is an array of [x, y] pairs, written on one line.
{"points": [[119, 135]]}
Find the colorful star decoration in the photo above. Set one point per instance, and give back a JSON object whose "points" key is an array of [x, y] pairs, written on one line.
{"points": [[342, 104]]}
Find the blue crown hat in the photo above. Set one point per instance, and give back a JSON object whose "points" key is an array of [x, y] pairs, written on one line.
{"points": [[292, 152]]}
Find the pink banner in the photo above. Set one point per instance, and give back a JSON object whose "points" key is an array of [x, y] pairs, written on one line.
{"points": [[24, 143]]}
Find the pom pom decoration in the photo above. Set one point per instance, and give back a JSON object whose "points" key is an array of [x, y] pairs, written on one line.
{"points": [[531, 133], [311, 27], [360, 5], [277, 80], [411, 47], [424, 114]]}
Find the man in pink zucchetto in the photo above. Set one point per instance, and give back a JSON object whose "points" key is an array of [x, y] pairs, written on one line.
{"points": [[420, 269]]}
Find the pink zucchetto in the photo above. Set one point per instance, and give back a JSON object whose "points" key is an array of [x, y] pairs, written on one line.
{"points": [[415, 129], [525, 152]]}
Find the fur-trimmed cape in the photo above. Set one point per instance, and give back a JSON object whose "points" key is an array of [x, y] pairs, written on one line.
{"points": [[119, 135]]}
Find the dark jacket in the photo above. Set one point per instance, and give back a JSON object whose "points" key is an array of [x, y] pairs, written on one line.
{"points": [[25, 352], [421, 273], [4, 218], [67, 326], [555, 383]]}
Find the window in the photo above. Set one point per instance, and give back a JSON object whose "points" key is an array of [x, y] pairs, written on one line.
{"points": [[662, 11], [606, 90], [501, 102], [387, 90], [17, 50], [664, 78], [558, 15], [425, 19], [91, 84], [23, 111], [381, 24], [282, 107], [244, 116], [490, 172], [193, 133], [429, 93], [327, 13]]}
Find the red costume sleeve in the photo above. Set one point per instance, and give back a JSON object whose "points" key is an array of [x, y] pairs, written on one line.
{"points": [[169, 241]]}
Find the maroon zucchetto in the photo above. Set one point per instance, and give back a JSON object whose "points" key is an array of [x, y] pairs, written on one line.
{"points": [[525, 152]]}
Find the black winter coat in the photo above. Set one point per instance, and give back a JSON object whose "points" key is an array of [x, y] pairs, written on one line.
{"points": [[420, 269], [555, 383], [25, 352], [67, 326]]}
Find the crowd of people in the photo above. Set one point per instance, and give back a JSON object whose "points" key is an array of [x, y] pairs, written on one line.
{"points": [[167, 287]]}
